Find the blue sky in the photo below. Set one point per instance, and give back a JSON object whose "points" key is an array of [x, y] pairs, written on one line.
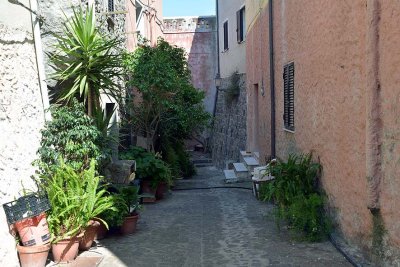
{"points": [[178, 8]]}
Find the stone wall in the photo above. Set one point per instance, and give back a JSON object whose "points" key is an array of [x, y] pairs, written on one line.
{"points": [[54, 14], [21, 118], [229, 130]]}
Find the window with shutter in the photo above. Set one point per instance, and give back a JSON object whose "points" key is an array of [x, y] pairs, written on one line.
{"points": [[240, 25], [110, 5], [288, 91], [226, 44]]}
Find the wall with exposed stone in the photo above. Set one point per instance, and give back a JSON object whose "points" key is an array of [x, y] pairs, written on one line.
{"points": [[229, 129], [21, 113]]}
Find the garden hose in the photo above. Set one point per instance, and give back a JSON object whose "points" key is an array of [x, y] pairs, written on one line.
{"points": [[211, 187]]}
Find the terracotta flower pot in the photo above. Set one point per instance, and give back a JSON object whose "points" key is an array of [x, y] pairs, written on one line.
{"points": [[129, 225], [101, 231], [34, 230], [147, 191], [66, 250], [33, 256], [162, 188], [89, 235]]}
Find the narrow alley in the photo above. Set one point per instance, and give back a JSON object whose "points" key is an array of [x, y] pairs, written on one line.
{"points": [[212, 227]]}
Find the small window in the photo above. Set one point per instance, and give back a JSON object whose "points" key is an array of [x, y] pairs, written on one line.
{"points": [[226, 44], [288, 91], [110, 5], [241, 24]]}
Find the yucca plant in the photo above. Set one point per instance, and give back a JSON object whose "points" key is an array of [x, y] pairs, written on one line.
{"points": [[85, 61], [75, 198]]}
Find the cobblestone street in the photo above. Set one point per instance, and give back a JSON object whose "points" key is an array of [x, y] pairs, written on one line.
{"points": [[212, 227]]}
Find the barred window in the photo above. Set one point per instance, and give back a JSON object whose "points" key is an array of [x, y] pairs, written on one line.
{"points": [[226, 42], [240, 21], [288, 91]]}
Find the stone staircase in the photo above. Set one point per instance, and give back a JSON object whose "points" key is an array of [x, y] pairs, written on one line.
{"points": [[241, 171]]}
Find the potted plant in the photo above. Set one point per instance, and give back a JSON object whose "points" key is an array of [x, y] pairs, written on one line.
{"points": [[75, 199], [131, 199], [114, 218], [33, 256]]}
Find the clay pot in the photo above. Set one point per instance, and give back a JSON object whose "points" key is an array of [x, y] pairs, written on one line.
{"points": [[162, 188], [101, 231], [33, 256], [129, 225], [66, 250], [147, 192], [34, 230], [89, 235]]}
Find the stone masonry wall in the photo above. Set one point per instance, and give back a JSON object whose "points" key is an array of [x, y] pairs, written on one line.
{"points": [[21, 118], [229, 131]]}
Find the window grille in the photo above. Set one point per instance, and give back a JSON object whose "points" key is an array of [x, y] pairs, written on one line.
{"points": [[288, 91], [110, 5]]}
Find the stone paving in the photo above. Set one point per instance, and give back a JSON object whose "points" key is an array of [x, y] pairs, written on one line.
{"points": [[212, 227]]}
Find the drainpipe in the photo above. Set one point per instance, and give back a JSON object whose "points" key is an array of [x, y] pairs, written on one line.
{"points": [[218, 75], [373, 108], [39, 59], [272, 77]]}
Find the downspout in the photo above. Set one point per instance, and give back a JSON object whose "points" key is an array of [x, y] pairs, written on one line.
{"points": [[218, 75], [373, 108], [272, 77], [40, 60]]}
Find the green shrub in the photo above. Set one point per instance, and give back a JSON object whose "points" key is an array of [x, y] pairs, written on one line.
{"points": [[178, 159], [71, 136], [148, 165], [75, 198], [295, 192]]}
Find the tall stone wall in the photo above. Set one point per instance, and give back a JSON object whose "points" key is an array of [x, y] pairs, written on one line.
{"points": [[229, 130], [21, 118]]}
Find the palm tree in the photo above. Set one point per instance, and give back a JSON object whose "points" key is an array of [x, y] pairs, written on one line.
{"points": [[85, 61]]}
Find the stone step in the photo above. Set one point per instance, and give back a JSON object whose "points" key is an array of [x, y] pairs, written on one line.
{"points": [[230, 176], [201, 161], [251, 163], [244, 154], [240, 170], [256, 155]]}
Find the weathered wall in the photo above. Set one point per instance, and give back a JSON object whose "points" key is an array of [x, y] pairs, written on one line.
{"points": [[53, 11], [233, 59], [21, 113], [329, 43], [229, 129], [149, 23], [197, 36]]}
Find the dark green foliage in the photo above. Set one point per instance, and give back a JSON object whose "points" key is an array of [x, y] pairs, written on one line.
{"points": [[148, 165], [115, 217], [172, 108], [72, 136], [233, 90], [178, 159], [296, 193]]}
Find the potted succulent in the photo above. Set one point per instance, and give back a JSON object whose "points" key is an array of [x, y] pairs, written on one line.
{"points": [[75, 200]]}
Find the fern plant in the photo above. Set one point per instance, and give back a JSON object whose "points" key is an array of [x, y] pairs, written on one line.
{"points": [[75, 198], [298, 198]]}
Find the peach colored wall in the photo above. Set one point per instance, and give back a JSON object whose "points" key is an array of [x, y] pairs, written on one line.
{"points": [[328, 42]]}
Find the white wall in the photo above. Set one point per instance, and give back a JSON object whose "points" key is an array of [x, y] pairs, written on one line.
{"points": [[21, 113], [234, 59]]}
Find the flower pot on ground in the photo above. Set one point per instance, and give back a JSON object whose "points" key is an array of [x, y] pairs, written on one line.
{"points": [[28, 217], [76, 198], [33, 256], [129, 225], [162, 188], [131, 198], [33, 231], [66, 250], [148, 192], [101, 231], [90, 234]]}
